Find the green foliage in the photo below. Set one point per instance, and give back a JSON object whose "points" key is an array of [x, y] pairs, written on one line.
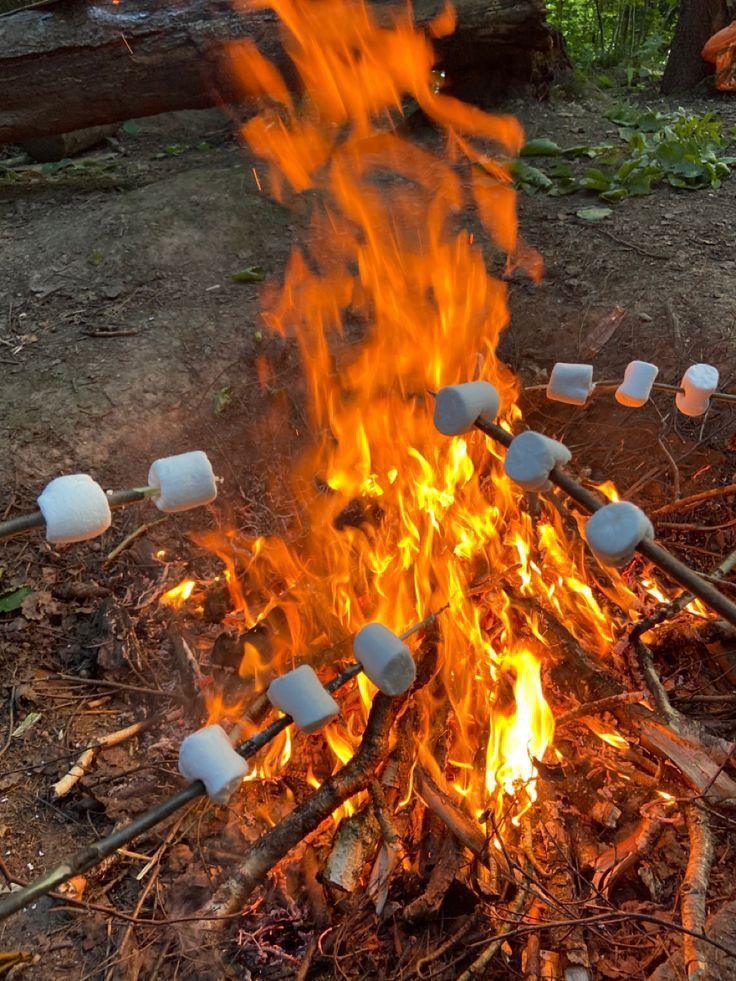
{"points": [[14, 600], [685, 151], [631, 36]]}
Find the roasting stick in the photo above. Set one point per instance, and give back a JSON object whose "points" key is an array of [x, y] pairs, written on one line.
{"points": [[74, 508], [682, 574], [92, 855], [29, 522], [610, 385]]}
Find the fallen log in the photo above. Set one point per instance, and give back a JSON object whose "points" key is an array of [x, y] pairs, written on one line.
{"points": [[70, 64]]}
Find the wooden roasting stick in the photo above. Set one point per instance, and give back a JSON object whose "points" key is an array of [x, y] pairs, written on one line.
{"points": [[679, 572]]}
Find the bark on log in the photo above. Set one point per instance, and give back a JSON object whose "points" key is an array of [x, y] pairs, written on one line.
{"points": [[70, 64]]}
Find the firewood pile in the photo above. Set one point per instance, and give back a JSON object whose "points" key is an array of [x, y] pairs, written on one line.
{"points": [[512, 722]]}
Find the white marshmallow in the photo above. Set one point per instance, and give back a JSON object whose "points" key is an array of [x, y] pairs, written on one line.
{"points": [[698, 384], [386, 659], [75, 509], [184, 481], [209, 756], [614, 532], [457, 407], [301, 695], [570, 383], [531, 458], [636, 387]]}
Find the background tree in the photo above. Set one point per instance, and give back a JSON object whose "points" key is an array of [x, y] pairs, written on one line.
{"points": [[698, 20]]}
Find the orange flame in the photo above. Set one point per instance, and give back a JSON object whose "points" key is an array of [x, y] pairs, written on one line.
{"points": [[178, 596], [405, 520]]}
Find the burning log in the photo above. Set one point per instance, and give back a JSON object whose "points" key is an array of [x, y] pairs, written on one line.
{"points": [[71, 64], [354, 842]]}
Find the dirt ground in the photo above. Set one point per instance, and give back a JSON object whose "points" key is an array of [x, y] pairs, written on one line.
{"points": [[122, 331]]}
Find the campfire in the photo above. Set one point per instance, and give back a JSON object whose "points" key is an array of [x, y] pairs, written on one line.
{"points": [[528, 689]]}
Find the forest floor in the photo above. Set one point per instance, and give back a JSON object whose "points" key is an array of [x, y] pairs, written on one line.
{"points": [[123, 337]]}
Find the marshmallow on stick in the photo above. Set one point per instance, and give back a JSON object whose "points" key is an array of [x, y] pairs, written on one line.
{"points": [[75, 508], [531, 458], [614, 532], [208, 755], [184, 481], [570, 383], [300, 694], [698, 384], [386, 659], [458, 407], [636, 387]]}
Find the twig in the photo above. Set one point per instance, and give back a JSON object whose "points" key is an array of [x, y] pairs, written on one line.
{"points": [[11, 711], [599, 706], [62, 787], [622, 242], [452, 941], [129, 539], [155, 867], [478, 968], [695, 890], [693, 499], [137, 689], [673, 464]]}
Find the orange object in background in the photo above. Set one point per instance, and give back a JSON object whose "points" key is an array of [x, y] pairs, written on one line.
{"points": [[720, 50]]}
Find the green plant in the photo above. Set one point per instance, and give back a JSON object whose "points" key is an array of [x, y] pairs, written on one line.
{"points": [[685, 151], [630, 36]]}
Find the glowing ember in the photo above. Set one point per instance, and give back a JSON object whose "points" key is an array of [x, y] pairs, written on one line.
{"points": [[434, 515], [178, 596]]}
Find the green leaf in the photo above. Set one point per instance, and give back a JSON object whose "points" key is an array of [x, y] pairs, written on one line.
{"points": [[26, 724], [222, 399], [614, 194], [530, 178], [131, 128], [594, 213], [541, 148], [595, 180], [14, 601], [204, 146], [624, 115], [253, 274]]}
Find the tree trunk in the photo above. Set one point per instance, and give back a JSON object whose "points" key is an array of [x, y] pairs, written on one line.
{"points": [[698, 20], [71, 64]]}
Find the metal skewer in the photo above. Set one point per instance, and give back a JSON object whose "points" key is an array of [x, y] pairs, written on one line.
{"points": [[679, 572]]}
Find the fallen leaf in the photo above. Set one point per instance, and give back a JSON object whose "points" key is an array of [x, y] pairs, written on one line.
{"points": [[253, 274], [26, 724], [14, 601], [594, 213]]}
